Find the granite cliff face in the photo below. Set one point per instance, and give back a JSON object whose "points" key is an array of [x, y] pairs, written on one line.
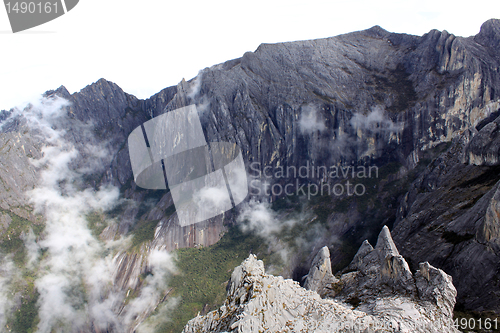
{"points": [[449, 216], [366, 98], [383, 292]]}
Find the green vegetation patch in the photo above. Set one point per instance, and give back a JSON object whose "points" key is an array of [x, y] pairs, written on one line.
{"points": [[10, 240], [96, 222], [286, 203], [144, 231], [26, 317]]}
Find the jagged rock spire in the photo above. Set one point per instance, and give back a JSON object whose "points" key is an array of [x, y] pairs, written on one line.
{"points": [[385, 245], [383, 272], [320, 277], [365, 248]]}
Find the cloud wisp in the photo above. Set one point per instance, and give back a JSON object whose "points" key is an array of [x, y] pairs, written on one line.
{"points": [[258, 218], [8, 275], [195, 95], [75, 275], [375, 121], [310, 120]]}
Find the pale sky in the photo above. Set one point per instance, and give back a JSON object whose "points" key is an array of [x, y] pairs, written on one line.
{"points": [[145, 46]]}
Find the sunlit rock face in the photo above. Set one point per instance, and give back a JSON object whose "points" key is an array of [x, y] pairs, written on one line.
{"points": [[380, 293], [320, 277]]}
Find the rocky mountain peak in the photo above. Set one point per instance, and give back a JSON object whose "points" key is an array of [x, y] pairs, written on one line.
{"points": [[259, 302], [385, 245], [385, 99], [377, 31], [61, 91], [251, 267], [491, 27], [364, 249], [489, 35]]}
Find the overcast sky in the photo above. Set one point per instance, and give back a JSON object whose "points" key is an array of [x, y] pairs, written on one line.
{"points": [[145, 46]]}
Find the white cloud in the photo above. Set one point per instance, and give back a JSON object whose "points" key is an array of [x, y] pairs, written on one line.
{"points": [[258, 217], [32, 248], [8, 275], [72, 251], [195, 87], [75, 275], [375, 121], [273, 227], [161, 265], [310, 120], [211, 198]]}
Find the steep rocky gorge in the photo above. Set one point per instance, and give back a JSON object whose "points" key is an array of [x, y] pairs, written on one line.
{"points": [[366, 98]]}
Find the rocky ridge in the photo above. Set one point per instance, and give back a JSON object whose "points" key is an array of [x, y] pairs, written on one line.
{"points": [[388, 296]]}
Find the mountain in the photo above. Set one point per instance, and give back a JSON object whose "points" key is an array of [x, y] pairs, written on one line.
{"points": [[421, 111]]}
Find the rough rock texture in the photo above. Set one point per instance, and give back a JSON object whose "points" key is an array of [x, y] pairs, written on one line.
{"points": [[483, 148], [123, 114], [112, 115], [376, 270], [383, 272], [258, 302], [435, 86], [320, 277], [17, 174]]}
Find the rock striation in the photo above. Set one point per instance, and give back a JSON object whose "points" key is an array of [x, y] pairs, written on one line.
{"points": [[320, 277], [389, 297]]}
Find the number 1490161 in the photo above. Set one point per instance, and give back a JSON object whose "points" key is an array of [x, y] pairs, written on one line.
{"points": [[31, 7]]}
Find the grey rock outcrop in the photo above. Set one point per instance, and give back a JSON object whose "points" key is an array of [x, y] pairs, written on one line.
{"points": [[483, 148], [383, 273], [320, 275], [258, 302], [380, 271], [17, 173], [430, 89]]}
